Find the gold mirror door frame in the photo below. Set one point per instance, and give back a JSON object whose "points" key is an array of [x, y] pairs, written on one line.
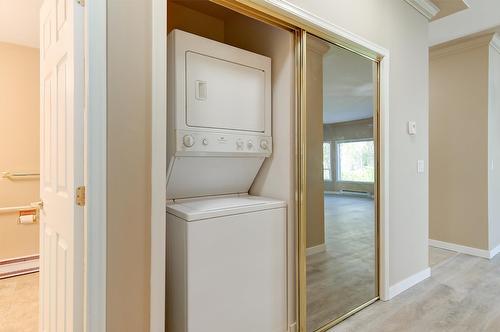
{"points": [[302, 184], [301, 170], [300, 29]]}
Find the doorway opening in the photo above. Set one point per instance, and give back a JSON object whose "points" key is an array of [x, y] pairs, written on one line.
{"points": [[19, 167], [42, 180], [296, 24]]}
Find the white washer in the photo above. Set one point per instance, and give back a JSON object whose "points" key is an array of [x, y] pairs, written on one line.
{"points": [[226, 265]]}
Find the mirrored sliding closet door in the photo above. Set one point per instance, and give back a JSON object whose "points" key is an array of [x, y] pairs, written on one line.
{"points": [[341, 183]]}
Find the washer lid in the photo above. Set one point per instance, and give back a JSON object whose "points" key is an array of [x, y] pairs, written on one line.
{"points": [[203, 208]]}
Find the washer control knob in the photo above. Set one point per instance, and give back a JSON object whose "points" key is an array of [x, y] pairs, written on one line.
{"points": [[264, 145], [249, 144], [239, 144], [204, 141], [188, 140]]}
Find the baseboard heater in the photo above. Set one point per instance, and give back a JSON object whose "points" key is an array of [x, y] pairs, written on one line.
{"points": [[353, 193]]}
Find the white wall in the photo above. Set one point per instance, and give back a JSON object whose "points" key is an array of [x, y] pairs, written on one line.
{"points": [[398, 27], [493, 150], [128, 164]]}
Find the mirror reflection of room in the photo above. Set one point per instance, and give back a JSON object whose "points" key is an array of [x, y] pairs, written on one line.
{"points": [[341, 224]]}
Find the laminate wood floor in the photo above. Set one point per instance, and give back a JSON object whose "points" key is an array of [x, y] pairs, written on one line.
{"points": [[462, 295], [19, 303], [343, 277]]}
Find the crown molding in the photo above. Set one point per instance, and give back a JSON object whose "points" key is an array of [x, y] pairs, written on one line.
{"points": [[464, 44], [495, 42], [425, 7]]}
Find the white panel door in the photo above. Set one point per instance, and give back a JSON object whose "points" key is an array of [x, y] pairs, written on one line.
{"points": [[61, 165]]}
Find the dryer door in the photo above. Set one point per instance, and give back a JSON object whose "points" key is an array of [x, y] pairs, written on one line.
{"points": [[224, 95]]}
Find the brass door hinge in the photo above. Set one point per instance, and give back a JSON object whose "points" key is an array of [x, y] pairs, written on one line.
{"points": [[81, 2], [80, 196]]}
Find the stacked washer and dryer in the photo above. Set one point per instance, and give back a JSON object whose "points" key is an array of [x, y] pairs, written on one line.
{"points": [[226, 249]]}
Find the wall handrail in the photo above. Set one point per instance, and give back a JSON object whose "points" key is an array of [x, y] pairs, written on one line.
{"points": [[12, 209], [18, 175]]}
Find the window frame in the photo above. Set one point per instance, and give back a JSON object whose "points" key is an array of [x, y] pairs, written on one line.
{"points": [[330, 170], [338, 178]]}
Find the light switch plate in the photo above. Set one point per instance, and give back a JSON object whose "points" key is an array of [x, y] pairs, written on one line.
{"points": [[420, 166], [412, 128]]}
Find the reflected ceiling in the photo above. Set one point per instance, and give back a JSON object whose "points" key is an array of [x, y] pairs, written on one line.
{"points": [[347, 86]]}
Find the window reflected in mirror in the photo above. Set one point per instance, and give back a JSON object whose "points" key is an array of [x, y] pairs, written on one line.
{"points": [[341, 224]]}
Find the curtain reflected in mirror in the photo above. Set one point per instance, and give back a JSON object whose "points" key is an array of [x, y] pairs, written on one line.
{"points": [[341, 224]]}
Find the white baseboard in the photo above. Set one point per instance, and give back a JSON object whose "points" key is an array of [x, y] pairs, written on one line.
{"points": [[463, 249], [316, 249], [19, 265], [409, 282], [494, 251]]}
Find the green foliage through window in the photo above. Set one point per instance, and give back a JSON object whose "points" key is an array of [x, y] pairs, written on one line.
{"points": [[355, 161]]}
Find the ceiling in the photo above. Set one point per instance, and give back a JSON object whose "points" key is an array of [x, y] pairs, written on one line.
{"points": [[482, 15], [347, 86], [448, 7], [19, 22], [207, 7]]}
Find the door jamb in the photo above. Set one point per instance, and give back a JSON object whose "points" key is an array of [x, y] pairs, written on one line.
{"points": [[158, 165], [95, 168]]}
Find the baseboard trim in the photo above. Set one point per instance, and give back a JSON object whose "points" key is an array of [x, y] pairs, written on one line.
{"points": [[409, 282], [494, 251], [19, 265], [316, 249], [292, 327], [463, 249]]}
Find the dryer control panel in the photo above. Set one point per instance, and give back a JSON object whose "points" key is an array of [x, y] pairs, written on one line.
{"points": [[199, 143]]}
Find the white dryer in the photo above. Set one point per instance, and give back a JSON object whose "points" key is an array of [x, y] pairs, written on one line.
{"points": [[226, 265], [219, 116]]}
